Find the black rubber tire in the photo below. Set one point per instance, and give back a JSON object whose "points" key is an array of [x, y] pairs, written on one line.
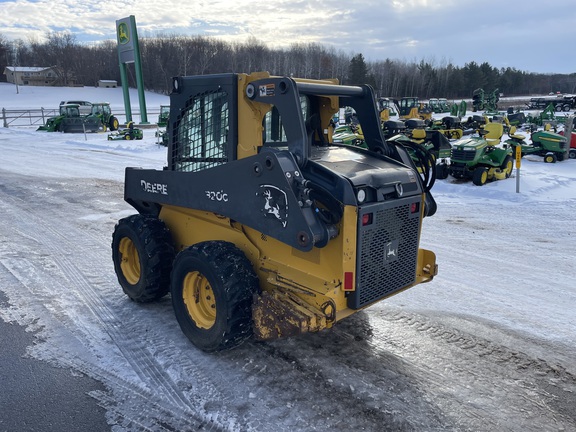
{"points": [[225, 319], [442, 171], [143, 254], [550, 158], [113, 123], [508, 166], [479, 176], [572, 154]]}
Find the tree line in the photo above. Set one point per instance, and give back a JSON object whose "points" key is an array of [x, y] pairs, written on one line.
{"points": [[167, 55]]}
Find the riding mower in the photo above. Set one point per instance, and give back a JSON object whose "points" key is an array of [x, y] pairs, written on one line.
{"points": [[479, 158], [128, 133], [349, 134], [550, 145], [449, 126]]}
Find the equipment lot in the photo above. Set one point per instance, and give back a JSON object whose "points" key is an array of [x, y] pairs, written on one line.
{"points": [[488, 345]]}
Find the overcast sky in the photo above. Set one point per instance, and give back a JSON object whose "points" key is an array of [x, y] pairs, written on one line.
{"points": [[529, 36]]}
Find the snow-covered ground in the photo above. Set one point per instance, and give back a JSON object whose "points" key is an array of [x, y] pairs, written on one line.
{"points": [[489, 344]]}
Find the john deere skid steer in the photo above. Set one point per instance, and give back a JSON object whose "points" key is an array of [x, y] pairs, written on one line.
{"points": [[258, 225]]}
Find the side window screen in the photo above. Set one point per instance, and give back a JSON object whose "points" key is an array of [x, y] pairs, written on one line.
{"points": [[203, 133]]}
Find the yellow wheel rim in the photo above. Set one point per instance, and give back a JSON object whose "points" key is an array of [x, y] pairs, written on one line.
{"points": [[129, 261], [509, 167], [199, 300], [484, 177]]}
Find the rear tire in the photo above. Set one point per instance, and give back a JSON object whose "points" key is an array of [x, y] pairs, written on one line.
{"points": [[508, 166], [212, 288], [142, 252], [113, 123], [572, 154]]}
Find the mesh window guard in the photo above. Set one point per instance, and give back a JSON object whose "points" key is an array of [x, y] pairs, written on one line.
{"points": [[202, 133]]}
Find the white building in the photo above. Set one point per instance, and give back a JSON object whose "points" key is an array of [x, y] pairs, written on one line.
{"points": [[34, 76]]}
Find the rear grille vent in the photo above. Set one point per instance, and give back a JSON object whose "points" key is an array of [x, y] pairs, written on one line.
{"points": [[387, 251]]}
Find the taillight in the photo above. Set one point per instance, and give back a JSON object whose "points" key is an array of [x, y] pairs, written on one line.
{"points": [[367, 219], [348, 281]]}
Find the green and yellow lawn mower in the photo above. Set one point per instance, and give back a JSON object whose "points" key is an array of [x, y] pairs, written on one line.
{"points": [[481, 158], [349, 134], [550, 145], [128, 133]]}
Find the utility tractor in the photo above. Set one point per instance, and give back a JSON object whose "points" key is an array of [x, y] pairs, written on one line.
{"points": [[480, 158], [259, 225], [73, 118], [102, 111], [164, 115], [71, 121]]}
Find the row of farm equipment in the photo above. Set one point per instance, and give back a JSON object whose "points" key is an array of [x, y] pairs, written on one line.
{"points": [[474, 149]]}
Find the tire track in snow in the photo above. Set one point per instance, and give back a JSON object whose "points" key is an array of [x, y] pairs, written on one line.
{"points": [[60, 244]]}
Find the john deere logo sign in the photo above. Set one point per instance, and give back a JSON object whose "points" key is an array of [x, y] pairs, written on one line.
{"points": [[123, 34]]}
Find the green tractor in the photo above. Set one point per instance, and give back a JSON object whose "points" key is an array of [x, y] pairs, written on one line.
{"points": [[53, 124], [479, 158], [164, 115], [550, 145], [102, 111], [71, 121]]}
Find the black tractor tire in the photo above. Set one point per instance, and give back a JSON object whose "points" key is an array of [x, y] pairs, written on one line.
{"points": [[212, 287], [508, 166], [113, 123], [560, 157], [480, 176], [143, 254], [442, 171], [550, 158]]}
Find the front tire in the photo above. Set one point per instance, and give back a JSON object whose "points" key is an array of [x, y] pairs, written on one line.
{"points": [[442, 171], [143, 253], [212, 286], [480, 176], [550, 158]]}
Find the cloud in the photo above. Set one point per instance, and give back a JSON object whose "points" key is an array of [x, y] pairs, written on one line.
{"points": [[500, 33]]}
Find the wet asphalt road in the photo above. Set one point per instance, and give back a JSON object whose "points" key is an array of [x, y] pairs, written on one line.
{"points": [[35, 396]]}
